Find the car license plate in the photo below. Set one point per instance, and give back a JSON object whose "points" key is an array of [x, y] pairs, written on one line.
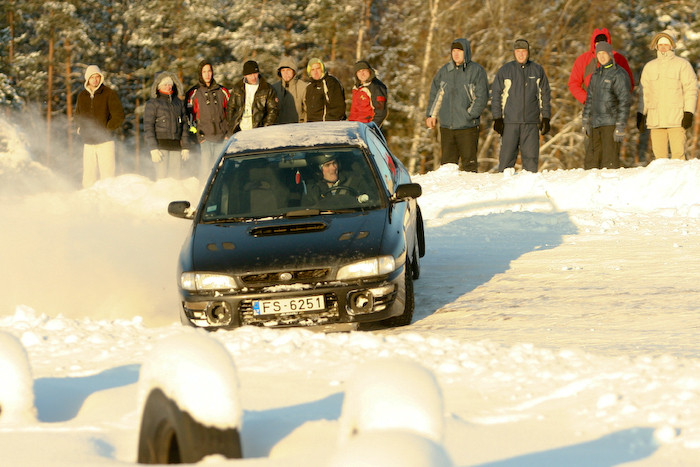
{"points": [[289, 305]]}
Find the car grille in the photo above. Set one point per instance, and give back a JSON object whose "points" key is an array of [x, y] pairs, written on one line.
{"points": [[276, 278], [328, 316]]}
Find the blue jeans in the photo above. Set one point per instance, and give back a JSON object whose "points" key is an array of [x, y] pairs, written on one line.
{"points": [[209, 153]]}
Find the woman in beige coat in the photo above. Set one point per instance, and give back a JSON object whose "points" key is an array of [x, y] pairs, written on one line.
{"points": [[669, 96]]}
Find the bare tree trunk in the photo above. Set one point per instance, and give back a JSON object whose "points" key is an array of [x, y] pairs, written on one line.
{"points": [[696, 132], [49, 98], [11, 23], [364, 27], [69, 96], [423, 97]]}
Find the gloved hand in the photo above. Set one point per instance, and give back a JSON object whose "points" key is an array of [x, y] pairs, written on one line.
{"points": [[498, 126], [156, 155], [641, 122], [185, 154], [687, 120], [544, 126], [619, 134], [587, 127], [363, 198]]}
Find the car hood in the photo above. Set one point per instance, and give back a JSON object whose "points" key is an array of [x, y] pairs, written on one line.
{"points": [[317, 241]]}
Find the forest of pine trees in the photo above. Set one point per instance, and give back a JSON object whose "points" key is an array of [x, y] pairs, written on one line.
{"points": [[46, 46]]}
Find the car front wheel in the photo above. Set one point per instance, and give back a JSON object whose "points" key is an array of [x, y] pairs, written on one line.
{"points": [[409, 302]]}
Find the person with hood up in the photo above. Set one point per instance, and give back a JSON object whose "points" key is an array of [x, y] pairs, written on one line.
{"points": [[98, 113], [253, 102], [165, 125], [291, 92], [520, 106], [669, 98], [606, 110], [586, 63], [206, 106], [369, 96], [458, 94], [325, 96]]}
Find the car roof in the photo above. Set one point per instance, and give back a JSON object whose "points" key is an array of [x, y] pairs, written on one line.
{"points": [[298, 135]]}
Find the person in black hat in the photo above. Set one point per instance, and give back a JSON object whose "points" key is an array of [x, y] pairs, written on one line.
{"points": [[458, 94], [520, 106], [606, 110], [253, 102], [369, 96]]}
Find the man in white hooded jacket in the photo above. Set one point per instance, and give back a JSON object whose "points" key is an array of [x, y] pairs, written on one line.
{"points": [[669, 97]]}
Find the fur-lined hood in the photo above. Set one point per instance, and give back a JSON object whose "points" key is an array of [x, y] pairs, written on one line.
{"points": [[178, 88]]}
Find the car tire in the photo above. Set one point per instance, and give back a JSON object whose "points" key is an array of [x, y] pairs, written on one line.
{"points": [[170, 435], [416, 264], [409, 301], [420, 230]]}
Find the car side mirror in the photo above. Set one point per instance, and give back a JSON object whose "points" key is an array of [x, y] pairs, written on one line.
{"points": [[180, 209], [407, 191]]}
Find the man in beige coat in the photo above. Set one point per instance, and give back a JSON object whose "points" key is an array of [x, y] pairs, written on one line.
{"points": [[669, 96]]}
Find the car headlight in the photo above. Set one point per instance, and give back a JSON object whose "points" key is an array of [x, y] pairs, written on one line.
{"points": [[194, 281], [370, 267]]}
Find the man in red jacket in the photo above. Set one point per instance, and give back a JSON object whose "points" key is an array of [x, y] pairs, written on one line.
{"points": [[586, 64]]}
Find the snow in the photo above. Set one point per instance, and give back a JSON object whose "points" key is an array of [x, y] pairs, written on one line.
{"points": [[556, 316]]}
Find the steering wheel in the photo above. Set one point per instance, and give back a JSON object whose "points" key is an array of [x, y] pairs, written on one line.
{"points": [[349, 189]]}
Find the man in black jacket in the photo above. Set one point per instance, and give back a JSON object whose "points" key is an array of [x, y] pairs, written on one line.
{"points": [[253, 102]]}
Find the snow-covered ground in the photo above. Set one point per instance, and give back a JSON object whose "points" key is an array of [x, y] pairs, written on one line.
{"points": [[557, 312]]}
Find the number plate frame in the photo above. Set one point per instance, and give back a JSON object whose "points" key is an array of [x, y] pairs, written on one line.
{"points": [[285, 306]]}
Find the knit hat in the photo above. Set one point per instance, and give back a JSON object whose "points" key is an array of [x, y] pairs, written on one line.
{"points": [[521, 44], [165, 81], [457, 45], [362, 65], [314, 61], [600, 37], [250, 67], [604, 47], [663, 35]]}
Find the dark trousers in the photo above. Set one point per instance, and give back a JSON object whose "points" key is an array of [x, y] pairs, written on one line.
{"points": [[525, 136], [604, 151], [460, 147]]}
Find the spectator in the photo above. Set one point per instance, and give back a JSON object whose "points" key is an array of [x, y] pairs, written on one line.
{"points": [[464, 87], [98, 113], [253, 102], [669, 97], [520, 107], [165, 126], [325, 96], [606, 110], [369, 96], [291, 92], [206, 104]]}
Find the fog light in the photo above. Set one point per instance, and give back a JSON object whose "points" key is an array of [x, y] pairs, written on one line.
{"points": [[219, 314], [360, 301]]}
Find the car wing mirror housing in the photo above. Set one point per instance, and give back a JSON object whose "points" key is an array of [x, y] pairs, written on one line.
{"points": [[180, 209], [407, 191]]}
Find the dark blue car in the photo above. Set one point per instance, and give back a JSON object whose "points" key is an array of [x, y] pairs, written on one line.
{"points": [[312, 224]]}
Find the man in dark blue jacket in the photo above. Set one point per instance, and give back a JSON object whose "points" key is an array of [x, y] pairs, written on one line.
{"points": [[458, 95], [520, 107]]}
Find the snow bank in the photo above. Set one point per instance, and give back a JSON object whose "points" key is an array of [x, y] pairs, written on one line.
{"points": [[198, 373], [16, 382], [391, 449]]}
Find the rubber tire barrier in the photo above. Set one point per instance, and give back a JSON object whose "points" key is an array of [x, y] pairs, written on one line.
{"points": [[169, 435]]}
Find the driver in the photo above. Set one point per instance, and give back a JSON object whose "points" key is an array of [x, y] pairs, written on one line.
{"points": [[333, 183]]}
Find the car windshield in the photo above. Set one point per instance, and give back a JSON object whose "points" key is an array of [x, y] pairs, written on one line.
{"points": [[291, 183]]}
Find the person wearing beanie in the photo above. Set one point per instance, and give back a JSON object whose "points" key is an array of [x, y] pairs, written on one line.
{"points": [[253, 102], [369, 96], [605, 112], [206, 110], [291, 92], [521, 108], [165, 127], [98, 113], [459, 93], [584, 66], [325, 96], [669, 98]]}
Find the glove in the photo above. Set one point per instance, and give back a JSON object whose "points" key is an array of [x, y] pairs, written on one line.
{"points": [[544, 126], [586, 127], [498, 126], [363, 198], [687, 120], [641, 122], [619, 134], [156, 155], [185, 154]]}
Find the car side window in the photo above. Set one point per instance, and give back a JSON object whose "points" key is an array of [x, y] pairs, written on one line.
{"points": [[385, 163]]}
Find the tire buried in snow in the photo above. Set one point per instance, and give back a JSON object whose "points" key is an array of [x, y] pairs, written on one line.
{"points": [[169, 435]]}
